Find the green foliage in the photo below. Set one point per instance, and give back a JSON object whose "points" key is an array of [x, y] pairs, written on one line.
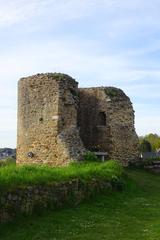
{"points": [[145, 146], [111, 92], [133, 214], [153, 139], [12, 176], [60, 76], [118, 183], [90, 157]]}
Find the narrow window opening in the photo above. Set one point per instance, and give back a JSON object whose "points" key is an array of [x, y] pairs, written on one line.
{"points": [[102, 119]]}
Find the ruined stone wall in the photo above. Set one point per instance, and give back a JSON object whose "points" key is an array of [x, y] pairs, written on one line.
{"points": [[47, 119], [106, 122], [29, 199], [52, 110], [95, 135]]}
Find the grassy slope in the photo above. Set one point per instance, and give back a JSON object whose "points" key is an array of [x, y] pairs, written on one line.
{"points": [[12, 176], [132, 214]]}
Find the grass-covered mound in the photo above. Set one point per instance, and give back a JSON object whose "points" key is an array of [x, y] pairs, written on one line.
{"points": [[133, 214], [12, 176]]}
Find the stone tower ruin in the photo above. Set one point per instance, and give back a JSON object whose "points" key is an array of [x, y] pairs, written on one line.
{"points": [[58, 123]]}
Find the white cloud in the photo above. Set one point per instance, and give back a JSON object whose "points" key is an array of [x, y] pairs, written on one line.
{"points": [[59, 56], [16, 11], [107, 55]]}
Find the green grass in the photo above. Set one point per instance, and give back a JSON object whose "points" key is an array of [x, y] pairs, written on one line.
{"points": [[12, 176], [7, 161], [133, 214]]}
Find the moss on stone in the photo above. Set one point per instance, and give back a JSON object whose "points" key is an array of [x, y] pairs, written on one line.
{"points": [[112, 92]]}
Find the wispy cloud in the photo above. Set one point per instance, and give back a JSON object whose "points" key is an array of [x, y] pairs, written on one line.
{"points": [[12, 12], [98, 42]]}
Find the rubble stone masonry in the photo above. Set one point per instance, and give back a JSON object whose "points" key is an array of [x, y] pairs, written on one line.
{"points": [[106, 121], [58, 123]]}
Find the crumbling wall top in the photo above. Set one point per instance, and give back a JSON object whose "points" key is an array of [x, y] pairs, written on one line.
{"points": [[111, 92], [54, 76]]}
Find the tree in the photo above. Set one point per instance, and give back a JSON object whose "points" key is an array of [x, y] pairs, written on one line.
{"points": [[145, 146], [154, 140]]}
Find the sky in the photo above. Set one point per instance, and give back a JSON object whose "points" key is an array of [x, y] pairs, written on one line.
{"points": [[97, 42]]}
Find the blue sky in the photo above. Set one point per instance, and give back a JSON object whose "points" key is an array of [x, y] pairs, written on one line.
{"points": [[98, 42]]}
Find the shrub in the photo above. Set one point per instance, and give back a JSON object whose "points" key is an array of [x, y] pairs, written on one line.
{"points": [[145, 146], [111, 92], [90, 157]]}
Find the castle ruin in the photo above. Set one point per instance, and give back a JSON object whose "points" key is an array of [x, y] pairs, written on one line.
{"points": [[58, 122]]}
